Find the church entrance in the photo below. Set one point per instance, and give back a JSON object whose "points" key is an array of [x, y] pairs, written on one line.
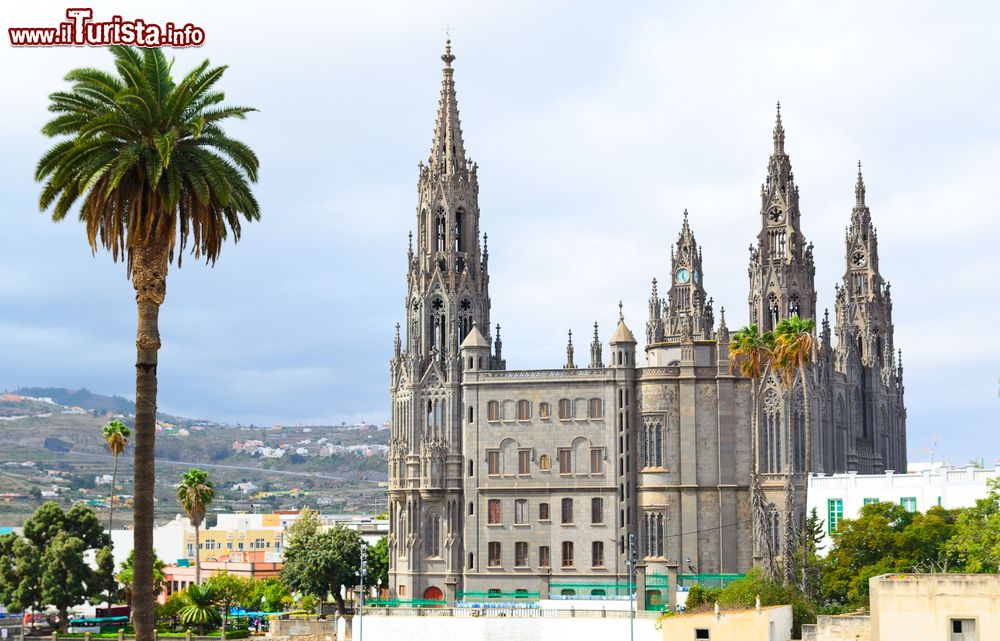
{"points": [[434, 593]]}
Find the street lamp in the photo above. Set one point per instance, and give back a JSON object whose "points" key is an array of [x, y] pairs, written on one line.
{"points": [[631, 561], [361, 596]]}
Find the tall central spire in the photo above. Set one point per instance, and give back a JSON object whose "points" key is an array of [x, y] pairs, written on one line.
{"points": [[447, 150]]}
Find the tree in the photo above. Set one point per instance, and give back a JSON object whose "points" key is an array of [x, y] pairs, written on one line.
{"points": [[65, 575], [199, 607], [378, 562], [318, 563], [151, 166], [195, 492], [229, 590], [267, 595], [810, 566], [126, 575], [116, 436], [105, 574], [977, 533]]}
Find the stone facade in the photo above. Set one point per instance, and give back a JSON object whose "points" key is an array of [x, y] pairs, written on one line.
{"points": [[521, 480]]}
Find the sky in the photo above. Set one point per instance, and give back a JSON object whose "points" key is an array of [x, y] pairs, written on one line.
{"points": [[594, 126]]}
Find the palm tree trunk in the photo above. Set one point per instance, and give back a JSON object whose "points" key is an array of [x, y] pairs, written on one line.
{"points": [[807, 423], [111, 501], [197, 556], [149, 278]]}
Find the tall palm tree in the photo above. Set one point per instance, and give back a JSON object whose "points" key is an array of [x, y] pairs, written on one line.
{"points": [[116, 436], [195, 492], [794, 345], [751, 355], [151, 166]]}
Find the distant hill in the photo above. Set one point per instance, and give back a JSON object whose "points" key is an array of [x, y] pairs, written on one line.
{"points": [[81, 398]]}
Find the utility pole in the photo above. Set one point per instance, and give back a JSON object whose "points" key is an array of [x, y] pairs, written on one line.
{"points": [[361, 596], [632, 558]]}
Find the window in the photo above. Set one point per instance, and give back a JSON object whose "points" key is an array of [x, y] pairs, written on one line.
{"points": [[543, 556], [494, 554], [493, 411], [470, 467], [543, 410], [834, 513], [597, 554], [567, 554], [701, 633], [869, 501], [471, 508], [596, 411], [565, 409], [495, 515], [524, 462], [433, 534], [654, 533], [543, 511], [520, 511], [909, 503], [471, 559], [521, 554], [567, 510], [493, 462], [596, 510], [597, 460], [565, 462], [523, 410], [401, 590], [963, 630], [544, 463], [653, 442]]}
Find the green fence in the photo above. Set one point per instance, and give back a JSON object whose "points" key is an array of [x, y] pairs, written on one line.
{"points": [[590, 590], [405, 603], [707, 580], [497, 595]]}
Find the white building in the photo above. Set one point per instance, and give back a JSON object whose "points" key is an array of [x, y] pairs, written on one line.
{"points": [[841, 496]]}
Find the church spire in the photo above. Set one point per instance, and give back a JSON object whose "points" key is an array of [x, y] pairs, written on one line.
{"points": [[779, 133], [569, 352], [859, 189], [595, 350], [448, 149]]}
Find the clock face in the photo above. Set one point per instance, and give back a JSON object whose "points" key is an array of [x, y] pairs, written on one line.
{"points": [[858, 259], [682, 275], [695, 276], [775, 215]]}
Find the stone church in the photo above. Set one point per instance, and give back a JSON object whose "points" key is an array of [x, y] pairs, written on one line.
{"points": [[522, 482]]}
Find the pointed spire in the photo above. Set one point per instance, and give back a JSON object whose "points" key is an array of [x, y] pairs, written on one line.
{"points": [[859, 189], [447, 150], [569, 352], [596, 360], [621, 313], [409, 247], [723, 335], [498, 345], [779, 132], [685, 228], [396, 343]]}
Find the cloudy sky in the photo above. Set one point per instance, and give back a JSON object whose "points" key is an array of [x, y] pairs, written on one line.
{"points": [[594, 126]]}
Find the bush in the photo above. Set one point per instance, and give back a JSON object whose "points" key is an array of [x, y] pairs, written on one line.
{"points": [[699, 595]]}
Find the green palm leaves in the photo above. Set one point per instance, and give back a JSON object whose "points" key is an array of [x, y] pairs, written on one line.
{"points": [[785, 350], [200, 606], [147, 157], [116, 435], [195, 492]]}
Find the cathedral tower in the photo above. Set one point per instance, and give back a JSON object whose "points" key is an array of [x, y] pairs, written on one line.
{"points": [[781, 265], [447, 301]]}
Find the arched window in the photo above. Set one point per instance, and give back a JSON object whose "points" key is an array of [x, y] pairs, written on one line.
{"points": [[544, 463], [793, 305], [653, 442], [596, 510], [567, 511], [470, 467], [523, 410], [565, 409], [433, 534], [440, 231], [774, 530], [470, 413], [460, 230], [596, 409], [493, 411]]}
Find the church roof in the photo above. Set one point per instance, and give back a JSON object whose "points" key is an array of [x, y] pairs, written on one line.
{"points": [[475, 339], [622, 334]]}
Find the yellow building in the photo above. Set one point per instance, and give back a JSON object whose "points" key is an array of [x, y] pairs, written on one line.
{"points": [[773, 623], [216, 543]]}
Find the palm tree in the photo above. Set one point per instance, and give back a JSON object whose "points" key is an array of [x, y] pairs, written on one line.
{"points": [[151, 166], [751, 354], [199, 609], [795, 342], [195, 492], [116, 436]]}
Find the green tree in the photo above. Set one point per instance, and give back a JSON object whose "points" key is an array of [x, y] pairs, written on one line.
{"points": [[152, 167], [199, 607], [230, 590], [267, 595], [318, 563], [744, 593], [171, 608], [126, 575], [378, 562], [976, 542], [810, 565], [65, 575], [195, 492], [105, 574], [116, 436]]}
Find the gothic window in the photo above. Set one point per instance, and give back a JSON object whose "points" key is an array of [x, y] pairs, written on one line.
{"points": [[567, 511], [653, 442], [493, 411], [493, 462], [597, 460], [433, 534], [470, 467], [596, 411], [793, 305], [520, 511], [770, 437], [597, 510], [774, 529], [523, 410], [544, 463], [494, 513], [653, 530], [565, 409], [772, 310], [565, 461], [459, 235], [543, 410], [440, 233], [524, 462]]}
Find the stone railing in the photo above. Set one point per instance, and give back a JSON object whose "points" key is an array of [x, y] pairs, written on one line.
{"points": [[512, 613], [526, 374]]}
